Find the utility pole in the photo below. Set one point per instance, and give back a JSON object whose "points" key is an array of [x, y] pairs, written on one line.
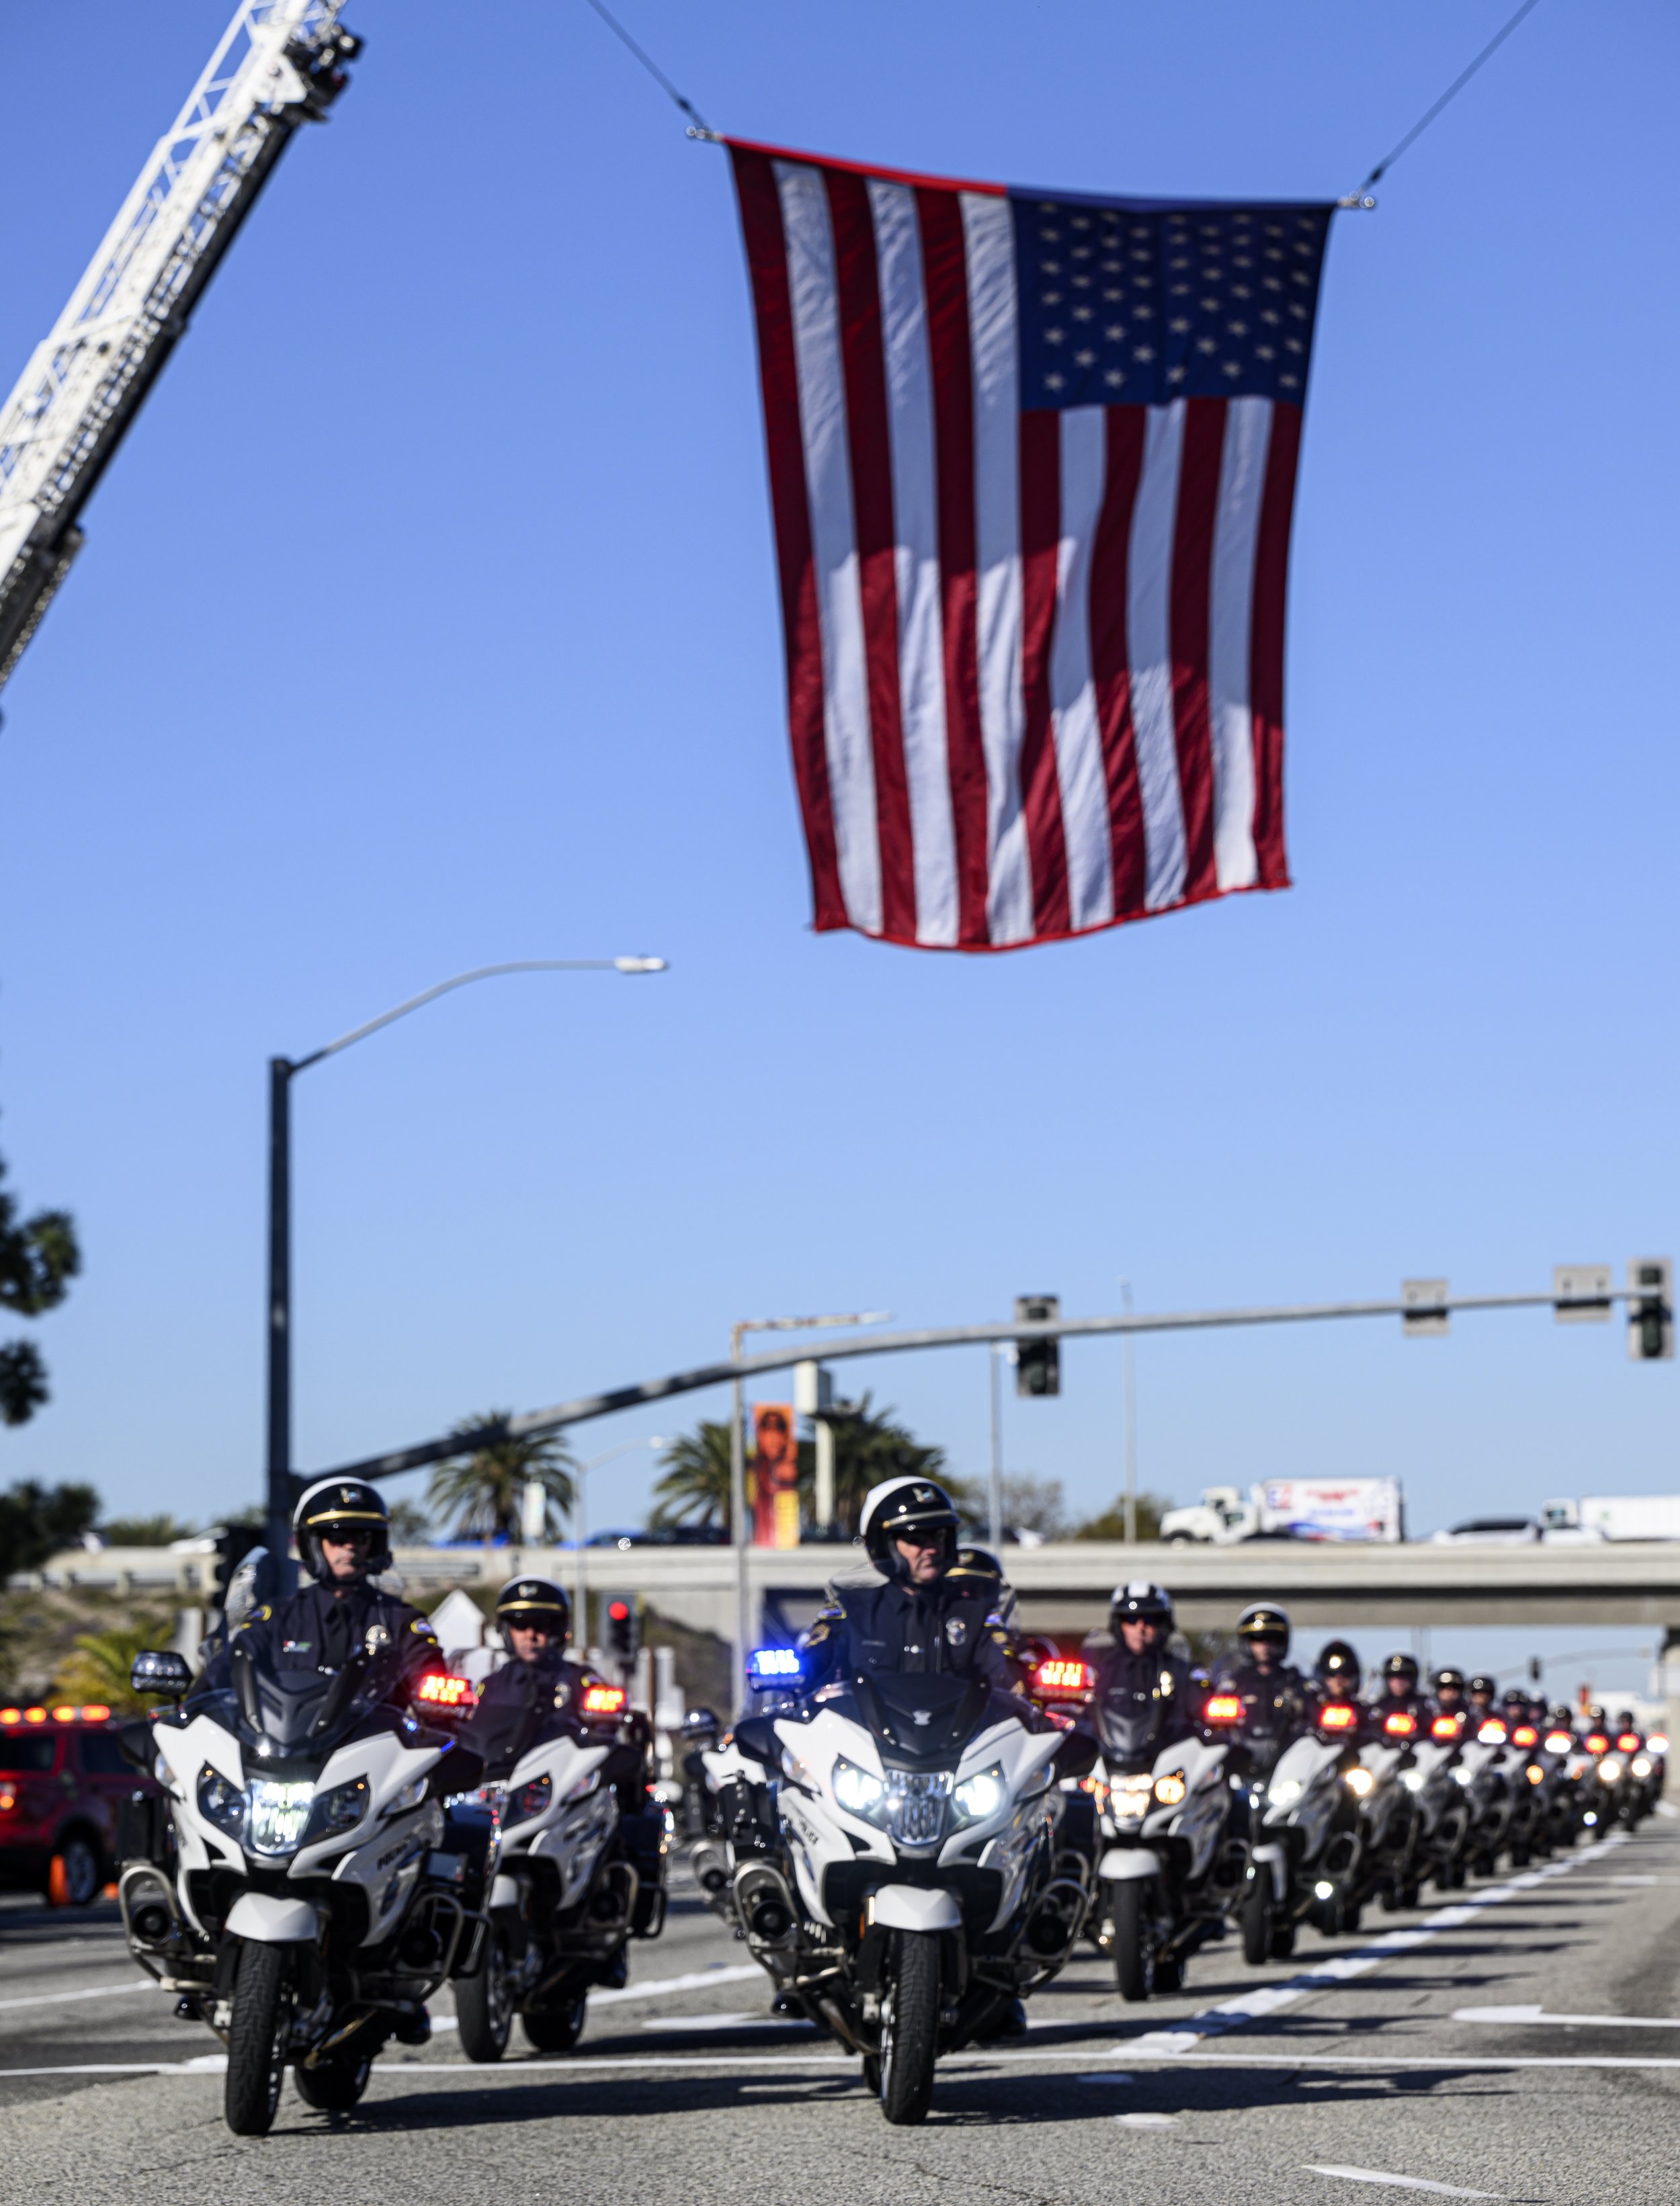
{"points": [[1130, 1434], [995, 1358]]}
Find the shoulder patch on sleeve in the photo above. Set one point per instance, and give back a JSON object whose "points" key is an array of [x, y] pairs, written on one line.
{"points": [[421, 1628]]}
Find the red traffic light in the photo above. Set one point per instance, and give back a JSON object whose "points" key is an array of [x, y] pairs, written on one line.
{"points": [[619, 1611]]}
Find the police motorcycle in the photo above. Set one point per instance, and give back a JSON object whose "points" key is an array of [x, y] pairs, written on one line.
{"points": [[1623, 1776], [1169, 1861], [1533, 1774], [1490, 1780], [562, 1754], [901, 1890], [1392, 1809], [311, 1893], [1308, 1848]]}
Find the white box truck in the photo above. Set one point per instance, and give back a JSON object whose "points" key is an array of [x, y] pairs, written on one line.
{"points": [[1614, 1517], [1292, 1509]]}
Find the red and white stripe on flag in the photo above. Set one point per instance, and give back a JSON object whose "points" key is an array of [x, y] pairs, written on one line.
{"points": [[1035, 644]]}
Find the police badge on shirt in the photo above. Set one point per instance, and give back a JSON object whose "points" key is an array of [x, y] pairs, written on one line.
{"points": [[957, 1630]]}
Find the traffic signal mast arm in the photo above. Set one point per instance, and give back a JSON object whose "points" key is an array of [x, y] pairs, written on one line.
{"points": [[1651, 1314], [278, 65]]}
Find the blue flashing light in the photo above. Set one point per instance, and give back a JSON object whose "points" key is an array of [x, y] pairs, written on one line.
{"points": [[774, 1665]]}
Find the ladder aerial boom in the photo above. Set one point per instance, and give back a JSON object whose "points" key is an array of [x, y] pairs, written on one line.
{"points": [[279, 63]]}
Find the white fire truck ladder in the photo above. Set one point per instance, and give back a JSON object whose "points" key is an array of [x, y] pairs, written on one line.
{"points": [[279, 63]]}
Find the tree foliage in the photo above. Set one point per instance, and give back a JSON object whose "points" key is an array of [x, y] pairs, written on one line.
{"points": [[98, 1667], [144, 1531], [39, 1258], [693, 1487], [36, 1521], [870, 1445], [1111, 1523], [483, 1488]]}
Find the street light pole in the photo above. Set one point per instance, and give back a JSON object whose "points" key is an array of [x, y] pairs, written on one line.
{"points": [[994, 1357], [1130, 1412], [282, 1071]]}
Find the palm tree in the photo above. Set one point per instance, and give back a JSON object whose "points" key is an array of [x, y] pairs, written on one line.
{"points": [[693, 1485], [97, 1670], [484, 1486]]}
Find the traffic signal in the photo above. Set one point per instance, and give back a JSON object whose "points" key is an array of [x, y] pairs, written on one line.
{"points": [[1651, 1314], [1038, 1363], [624, 1627]]}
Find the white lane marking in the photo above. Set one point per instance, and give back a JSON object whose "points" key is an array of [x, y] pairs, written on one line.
{"points": [[1535, 2014], [1147, 2121], [743, 1975], [99, 1991], [1403, 2182], [836, 2062], [1178, 2038], [1667, 1807], [724, 2022]]}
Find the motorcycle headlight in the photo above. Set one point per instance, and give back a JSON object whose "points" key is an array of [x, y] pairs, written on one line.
{"points": [[1640, 1765], [410, 1797], [857, 1792], [1286, 1795], [531, 1800], [1412, 1780], [1534, 1773], [340, 1809], [1462, 1776], [1170, 1789], [221, 1802], [1128, 1799], [981, 1796], [1609, 1770], [1359, 1782], [279, 1815]]}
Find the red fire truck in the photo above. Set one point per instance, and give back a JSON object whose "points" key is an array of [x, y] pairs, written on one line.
{"points": [[64, 1781]]}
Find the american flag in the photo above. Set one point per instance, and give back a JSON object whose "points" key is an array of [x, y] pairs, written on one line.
{"points": [[1032, 462]]}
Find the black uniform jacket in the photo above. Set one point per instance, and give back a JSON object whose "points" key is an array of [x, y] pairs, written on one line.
{"points": [[1142, 1702], [1275, 1702], [905, 1629], [317, 1630]]}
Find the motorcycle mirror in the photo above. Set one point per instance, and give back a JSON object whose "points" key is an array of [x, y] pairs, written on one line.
{"points": [[1076, 1756], [160, 1672], [756, 1737], [698, 1720]]}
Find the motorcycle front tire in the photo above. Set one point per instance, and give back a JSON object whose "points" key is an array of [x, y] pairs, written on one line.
{"points": [[484, 2004], [910, 2028], [1135, 1969], [558, 2028], [334, 2087], [1257, 1924], [257, 2040]]}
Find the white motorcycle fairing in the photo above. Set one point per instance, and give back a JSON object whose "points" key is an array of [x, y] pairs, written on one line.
{"points": [[267, 1921]]}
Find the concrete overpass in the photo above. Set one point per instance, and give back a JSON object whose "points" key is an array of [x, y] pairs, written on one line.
{"points": [[1063, 1587]]}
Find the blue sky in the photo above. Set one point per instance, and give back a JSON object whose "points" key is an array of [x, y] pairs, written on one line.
{"points": [[428, 620]]}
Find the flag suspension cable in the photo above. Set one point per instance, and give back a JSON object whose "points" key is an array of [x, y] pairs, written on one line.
{"points": [[1358, 198], [698, 125]]}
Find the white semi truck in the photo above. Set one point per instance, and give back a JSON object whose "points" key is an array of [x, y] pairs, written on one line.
{"points": [[1292, 1509], [1613, 1517]]}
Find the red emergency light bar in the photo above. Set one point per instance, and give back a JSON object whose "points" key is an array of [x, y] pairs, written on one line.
{"points": [[1401, 1725], [1596, 1743], [603, 1700], [441, 1691], [88, 1712], [1559, 1742], [1443, 1727], [1525, 1735], [1224, 1708], [1628, 1743], [1337, 1715], [1063, 1678], [1493, 1733]]}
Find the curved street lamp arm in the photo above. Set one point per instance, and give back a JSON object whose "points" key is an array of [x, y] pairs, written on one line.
{"points": [[481, 973]]}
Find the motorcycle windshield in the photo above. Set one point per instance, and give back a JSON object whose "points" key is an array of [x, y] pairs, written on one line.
{"points": [[920, 1719], [300, 1712], [1128, 1735]]}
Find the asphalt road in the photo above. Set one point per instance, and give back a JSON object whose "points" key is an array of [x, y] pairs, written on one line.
{"points": [[1519, 2041]]}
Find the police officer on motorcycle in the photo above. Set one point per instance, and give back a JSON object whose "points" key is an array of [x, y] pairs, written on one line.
{"points": [[534, 1618], [1450, 1694], [342, 1529], [1273, 1692], [923, 1616], [979, 1568], [1138, 1674], [1401, 1690]]}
